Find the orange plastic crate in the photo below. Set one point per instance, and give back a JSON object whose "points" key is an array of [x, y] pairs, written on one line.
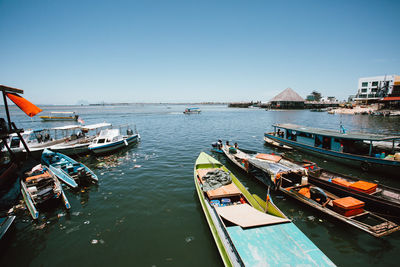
{"points": [[341, 182], [348, 203], [363, 186]]}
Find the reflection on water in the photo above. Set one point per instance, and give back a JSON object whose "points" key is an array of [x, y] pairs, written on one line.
{"points": [[145, 211]]}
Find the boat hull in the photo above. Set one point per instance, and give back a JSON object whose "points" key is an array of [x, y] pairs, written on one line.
{"points": [[383, 207], [365, 163], [108, 148], [5, 224], [72, 150]]}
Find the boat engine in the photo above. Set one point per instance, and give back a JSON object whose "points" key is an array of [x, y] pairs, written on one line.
{"points": [[81, 172], [318, 194]]}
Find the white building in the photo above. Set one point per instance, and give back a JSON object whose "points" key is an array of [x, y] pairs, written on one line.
{"points": [[375, 88]]}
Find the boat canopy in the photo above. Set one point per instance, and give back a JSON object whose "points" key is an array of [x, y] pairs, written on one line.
{"points": [[336, 134], [96, 126], [67, 127], [246, 216], [109, 133]]}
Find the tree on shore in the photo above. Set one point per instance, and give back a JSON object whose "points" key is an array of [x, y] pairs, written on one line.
{"points": [[317, 95]]}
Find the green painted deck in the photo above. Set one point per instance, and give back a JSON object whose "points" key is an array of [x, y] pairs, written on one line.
{"points": [[276, 245]]}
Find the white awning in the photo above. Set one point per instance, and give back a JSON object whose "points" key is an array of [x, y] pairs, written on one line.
{"points": [[246, 216], [67, 127], [96, 126]]}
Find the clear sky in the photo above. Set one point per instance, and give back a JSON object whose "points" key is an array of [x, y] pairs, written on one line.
{"points": [[61, 52]]}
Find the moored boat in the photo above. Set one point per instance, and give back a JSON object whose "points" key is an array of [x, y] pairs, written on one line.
{"points": [[78, 143], [247, 230], [379, 198], [291, 179], [342, 147], [276, 144], [110, 140], [68, 170], [39, 187], [36, 140], [60, 116], [5, 223]]}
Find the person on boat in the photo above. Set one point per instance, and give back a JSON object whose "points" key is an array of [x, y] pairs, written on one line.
{"points": [[236, 145], [219, 144], [227, 143]]}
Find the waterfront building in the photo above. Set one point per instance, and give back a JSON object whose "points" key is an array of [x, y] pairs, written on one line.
{"points": [[287, 99], [374, 89]]}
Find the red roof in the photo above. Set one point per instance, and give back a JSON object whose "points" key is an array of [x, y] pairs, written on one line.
{"points": [[391, 98]]}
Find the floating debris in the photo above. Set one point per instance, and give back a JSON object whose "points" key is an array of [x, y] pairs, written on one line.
{"points": [[60, 215], [73, 229], [189, 239], [40, 227], [86, 222], [137, 166], [311, 218], [76, 213], [94, 241]]}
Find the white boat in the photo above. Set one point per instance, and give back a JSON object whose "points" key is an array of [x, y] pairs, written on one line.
{"points": [[79, 143], [36, 140], [111, 140], [192, 111]]}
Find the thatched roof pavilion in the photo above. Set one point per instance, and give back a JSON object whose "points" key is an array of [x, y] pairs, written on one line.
{"points": [[287, 99]]}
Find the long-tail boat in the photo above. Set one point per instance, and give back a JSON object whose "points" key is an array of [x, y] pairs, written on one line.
{"points": [[247, 230], [360, 150], [39, 187], [291, 179], [68, 170]]}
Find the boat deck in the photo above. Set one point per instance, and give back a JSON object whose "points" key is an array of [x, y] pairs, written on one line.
{"points": [[276, 245]]}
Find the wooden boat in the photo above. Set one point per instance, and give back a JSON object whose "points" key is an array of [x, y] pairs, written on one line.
{"points": [[346, 209], [269, 164], [68, 170], [111, 140], [290, 178], [377, 197], [5, 223], [215, 147], [8, 174], [60, 116], [192, 111], [39, 187], [276, 144], [345, 148], [246, 234]]}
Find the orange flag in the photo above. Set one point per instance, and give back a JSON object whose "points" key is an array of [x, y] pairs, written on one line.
{"points": [[26, 106]]}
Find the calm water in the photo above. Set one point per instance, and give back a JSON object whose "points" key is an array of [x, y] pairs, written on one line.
{"points": [[144, 211]]}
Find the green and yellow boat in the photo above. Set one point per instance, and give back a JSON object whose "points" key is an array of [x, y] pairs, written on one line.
{"points": [[247, 230]]}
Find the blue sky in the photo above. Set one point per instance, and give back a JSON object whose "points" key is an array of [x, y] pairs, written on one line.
{"points": [[60, 52]]}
